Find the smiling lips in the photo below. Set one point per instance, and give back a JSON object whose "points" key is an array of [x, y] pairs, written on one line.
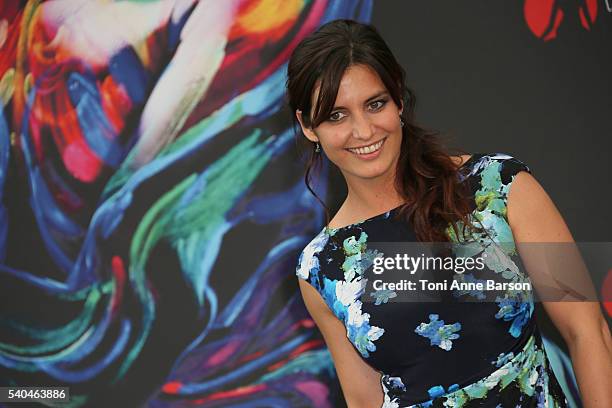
{"points": [[368, 149]]}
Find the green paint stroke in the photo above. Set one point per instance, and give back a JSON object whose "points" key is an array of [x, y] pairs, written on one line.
{"points": [[52, 341], [189, 226], [223, 118]]}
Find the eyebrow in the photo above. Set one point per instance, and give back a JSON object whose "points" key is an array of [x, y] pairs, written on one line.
{"points": [[377, 95]]}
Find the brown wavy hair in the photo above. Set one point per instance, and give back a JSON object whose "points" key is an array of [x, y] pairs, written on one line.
{"points": [[427, 176]]}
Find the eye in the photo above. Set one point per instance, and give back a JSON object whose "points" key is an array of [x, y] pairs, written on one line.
{"points": [[334, 118], [378, 104]]}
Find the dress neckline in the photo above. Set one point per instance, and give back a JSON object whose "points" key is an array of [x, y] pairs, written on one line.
{"points": [[329, 230]]}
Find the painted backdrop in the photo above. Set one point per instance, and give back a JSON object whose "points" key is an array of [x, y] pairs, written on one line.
{"points": [[152, 204]]}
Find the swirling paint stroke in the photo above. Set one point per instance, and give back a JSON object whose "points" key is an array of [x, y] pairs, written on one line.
{"points": [[155, 136]]}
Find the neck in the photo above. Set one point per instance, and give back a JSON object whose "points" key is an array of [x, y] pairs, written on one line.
{"points": [[372, 196]]}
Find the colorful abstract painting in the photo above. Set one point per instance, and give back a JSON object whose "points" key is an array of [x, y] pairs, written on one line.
{"points": [[151, 203]]}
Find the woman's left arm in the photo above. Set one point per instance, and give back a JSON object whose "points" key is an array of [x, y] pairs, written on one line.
{"points": [[533, 217]]}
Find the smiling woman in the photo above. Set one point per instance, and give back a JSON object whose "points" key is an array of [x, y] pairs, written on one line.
{"points": [[359, 110], [350, 99], [363, 126]]}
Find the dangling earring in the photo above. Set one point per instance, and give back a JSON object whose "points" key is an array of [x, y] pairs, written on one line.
{"points": [[401, 121], [317, 148]]}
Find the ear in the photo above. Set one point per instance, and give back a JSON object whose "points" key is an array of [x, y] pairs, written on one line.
{"points": [[309, 133], [401, 107]]}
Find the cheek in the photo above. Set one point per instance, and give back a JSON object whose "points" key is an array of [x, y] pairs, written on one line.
{"points": [[337, 139], [389, 121], [386, 121]]}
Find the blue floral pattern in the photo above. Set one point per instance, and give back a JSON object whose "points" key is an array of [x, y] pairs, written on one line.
{"points": [[497, 337], [438, 333]]}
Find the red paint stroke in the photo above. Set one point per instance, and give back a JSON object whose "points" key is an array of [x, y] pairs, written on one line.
{"points": [[81, 162], [588, 20], [66, 199], [115, 102], [223, 354], [172, 387], [538, 15], [119, 275], [9, 12], [306, 323], [553, 32], [316, 391], [251, 356], [310, 345], [543, 17], [53, 120], [238, 392]]}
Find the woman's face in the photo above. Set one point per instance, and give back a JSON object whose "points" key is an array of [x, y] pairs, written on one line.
{"points": [[362, 135]]}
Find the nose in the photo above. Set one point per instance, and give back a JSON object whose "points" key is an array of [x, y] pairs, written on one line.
{"points": [[362, 128]]}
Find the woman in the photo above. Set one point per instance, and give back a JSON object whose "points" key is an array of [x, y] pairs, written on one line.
{"points": [[347, 91]]}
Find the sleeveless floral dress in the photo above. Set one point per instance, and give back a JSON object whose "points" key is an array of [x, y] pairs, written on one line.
{"points": [[441, 354]]}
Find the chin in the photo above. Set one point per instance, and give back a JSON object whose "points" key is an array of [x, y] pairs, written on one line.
{"points": [[372, 173]]}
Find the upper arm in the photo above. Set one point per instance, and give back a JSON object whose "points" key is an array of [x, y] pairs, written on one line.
{"points": [[534, 218], [359, 381]]}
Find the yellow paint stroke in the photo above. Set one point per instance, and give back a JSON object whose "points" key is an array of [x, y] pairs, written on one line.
{"points": [[266, 15]]}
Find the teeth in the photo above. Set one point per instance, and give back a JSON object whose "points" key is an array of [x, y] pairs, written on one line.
{"points": [[368, 149]]}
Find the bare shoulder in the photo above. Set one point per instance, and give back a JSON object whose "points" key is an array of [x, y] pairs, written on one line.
{"points": [[532, 214], [339, 219], [343, 217], [534, 217]]}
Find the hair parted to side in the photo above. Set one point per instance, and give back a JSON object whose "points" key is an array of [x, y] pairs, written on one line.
{"points": [[427, 177]]}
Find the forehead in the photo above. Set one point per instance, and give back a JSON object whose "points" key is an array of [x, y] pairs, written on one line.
{"points": [[358, 83]]}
